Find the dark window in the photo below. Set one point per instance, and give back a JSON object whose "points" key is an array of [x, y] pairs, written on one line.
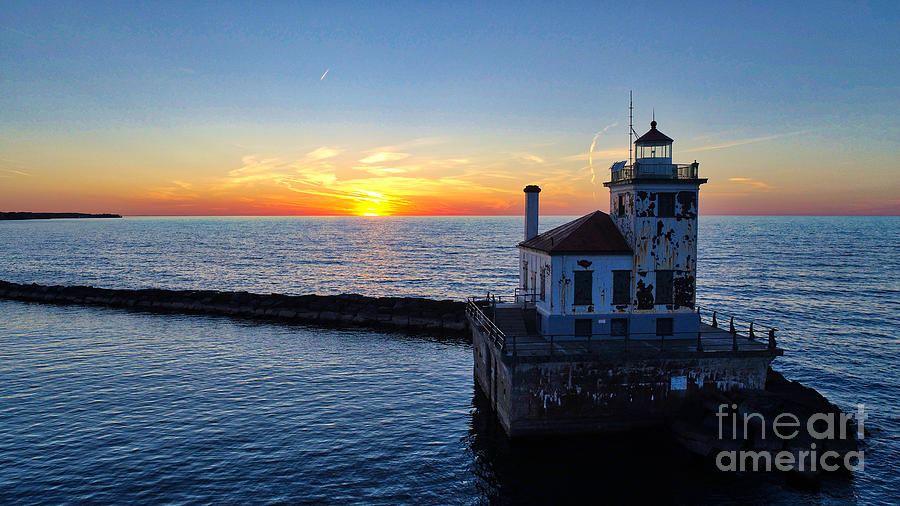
{"points": [[664, 326], [618, 327], [666, 205], [583, 288], [621, 287], [582, 326], [543, 282], [663, 287], [621, 205], [525, 274]]}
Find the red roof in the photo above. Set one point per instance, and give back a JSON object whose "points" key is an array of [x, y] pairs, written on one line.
{"points": [[593, 233], [653, 135]]}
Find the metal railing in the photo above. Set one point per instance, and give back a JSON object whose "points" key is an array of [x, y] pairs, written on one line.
{"points": [[520, 296], [524, 296], [486, 325], [666, 171], [737, 327], [739, 330]]}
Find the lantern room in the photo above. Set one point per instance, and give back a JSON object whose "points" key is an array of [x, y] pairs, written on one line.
{"points": [[654, 147]]}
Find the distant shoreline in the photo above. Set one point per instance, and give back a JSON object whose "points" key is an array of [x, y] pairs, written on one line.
{"points": [[52, 216]]}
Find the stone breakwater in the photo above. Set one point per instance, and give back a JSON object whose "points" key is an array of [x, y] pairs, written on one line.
{"points": [[391, 313]]}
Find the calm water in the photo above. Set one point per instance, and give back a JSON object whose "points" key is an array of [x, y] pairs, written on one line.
{"points": [[108, 405]]}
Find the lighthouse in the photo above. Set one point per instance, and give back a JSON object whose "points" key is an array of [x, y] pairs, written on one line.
{"points": [[603, 330], [627, 274], [654, 204]]}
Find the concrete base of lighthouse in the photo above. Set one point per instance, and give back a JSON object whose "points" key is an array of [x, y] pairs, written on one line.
{"points": [[615, 386]]}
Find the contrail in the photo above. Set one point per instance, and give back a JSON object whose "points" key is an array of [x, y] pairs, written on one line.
{"points": [[325, 74], [591, 157], [19, 172]]}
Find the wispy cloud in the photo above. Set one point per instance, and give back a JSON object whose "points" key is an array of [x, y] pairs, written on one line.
{"points": [[741, 142], [750, 182], [529, 157], [323, 153], [596, 155], [393, 179], [18, 32], [14, 172], [384, 156]]}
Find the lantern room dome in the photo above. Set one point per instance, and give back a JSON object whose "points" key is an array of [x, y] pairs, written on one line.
{"points": [[653, 135]]}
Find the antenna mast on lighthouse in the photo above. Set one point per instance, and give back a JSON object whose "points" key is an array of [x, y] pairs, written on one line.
{"points": [[630, 126]]}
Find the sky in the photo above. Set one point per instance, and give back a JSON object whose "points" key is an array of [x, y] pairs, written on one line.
{"points": [[442, 108]]}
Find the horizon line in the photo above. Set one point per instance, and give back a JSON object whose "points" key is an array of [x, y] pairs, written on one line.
{"points": [[463, 215]]}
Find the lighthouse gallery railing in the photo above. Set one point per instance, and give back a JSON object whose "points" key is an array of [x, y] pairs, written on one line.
{"points": [[740, 330], [668, 171]]}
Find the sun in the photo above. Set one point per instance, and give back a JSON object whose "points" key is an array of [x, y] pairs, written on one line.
{"points": [[370, 203], [371, 209]]}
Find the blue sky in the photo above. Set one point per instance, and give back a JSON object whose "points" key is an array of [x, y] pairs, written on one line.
{"points": [[209, 84]]}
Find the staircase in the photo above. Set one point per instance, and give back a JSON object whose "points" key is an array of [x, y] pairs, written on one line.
{"points": [[511, 321]]}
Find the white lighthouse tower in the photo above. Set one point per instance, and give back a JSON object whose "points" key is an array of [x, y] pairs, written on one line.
{"points": [[654, 204]]}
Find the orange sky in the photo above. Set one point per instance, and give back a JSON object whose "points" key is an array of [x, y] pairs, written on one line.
{"points": [[419, 176], [327, 108]]}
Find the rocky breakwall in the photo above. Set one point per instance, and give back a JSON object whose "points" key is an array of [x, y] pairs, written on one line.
{"points": [[397, 313], [786, 427]]}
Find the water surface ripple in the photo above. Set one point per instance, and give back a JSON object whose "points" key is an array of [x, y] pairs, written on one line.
{"points": [[110, 406]]}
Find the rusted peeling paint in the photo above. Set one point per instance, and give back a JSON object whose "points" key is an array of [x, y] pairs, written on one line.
{"points": [[644, 295], [683, 290], [687, 201]]}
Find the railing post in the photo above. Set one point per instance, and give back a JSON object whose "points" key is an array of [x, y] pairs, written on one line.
{"points": [[714, 322], [699, 344], [771, 339], [734, 345], [731, 326], [751, 336]]}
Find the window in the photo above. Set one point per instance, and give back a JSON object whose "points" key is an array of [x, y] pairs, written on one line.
{"points": [[621, 205], [618, 327], [663, 287], [653, 151], [583, 327], [583, 288], [621, 287], [664, 326], [525, 275], [666, 201]]}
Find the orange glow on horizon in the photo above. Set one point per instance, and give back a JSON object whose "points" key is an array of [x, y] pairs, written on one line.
{"points": [[396, 181]]}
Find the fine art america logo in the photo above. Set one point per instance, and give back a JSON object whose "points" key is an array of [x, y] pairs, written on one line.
{"points": [[822, 427]]}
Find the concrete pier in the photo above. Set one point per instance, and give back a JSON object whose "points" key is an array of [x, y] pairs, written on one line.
{"points": [[539, 385]]}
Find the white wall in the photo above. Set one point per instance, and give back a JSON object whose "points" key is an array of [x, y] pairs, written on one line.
{"points": [[564, 267], [536, 262]]}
